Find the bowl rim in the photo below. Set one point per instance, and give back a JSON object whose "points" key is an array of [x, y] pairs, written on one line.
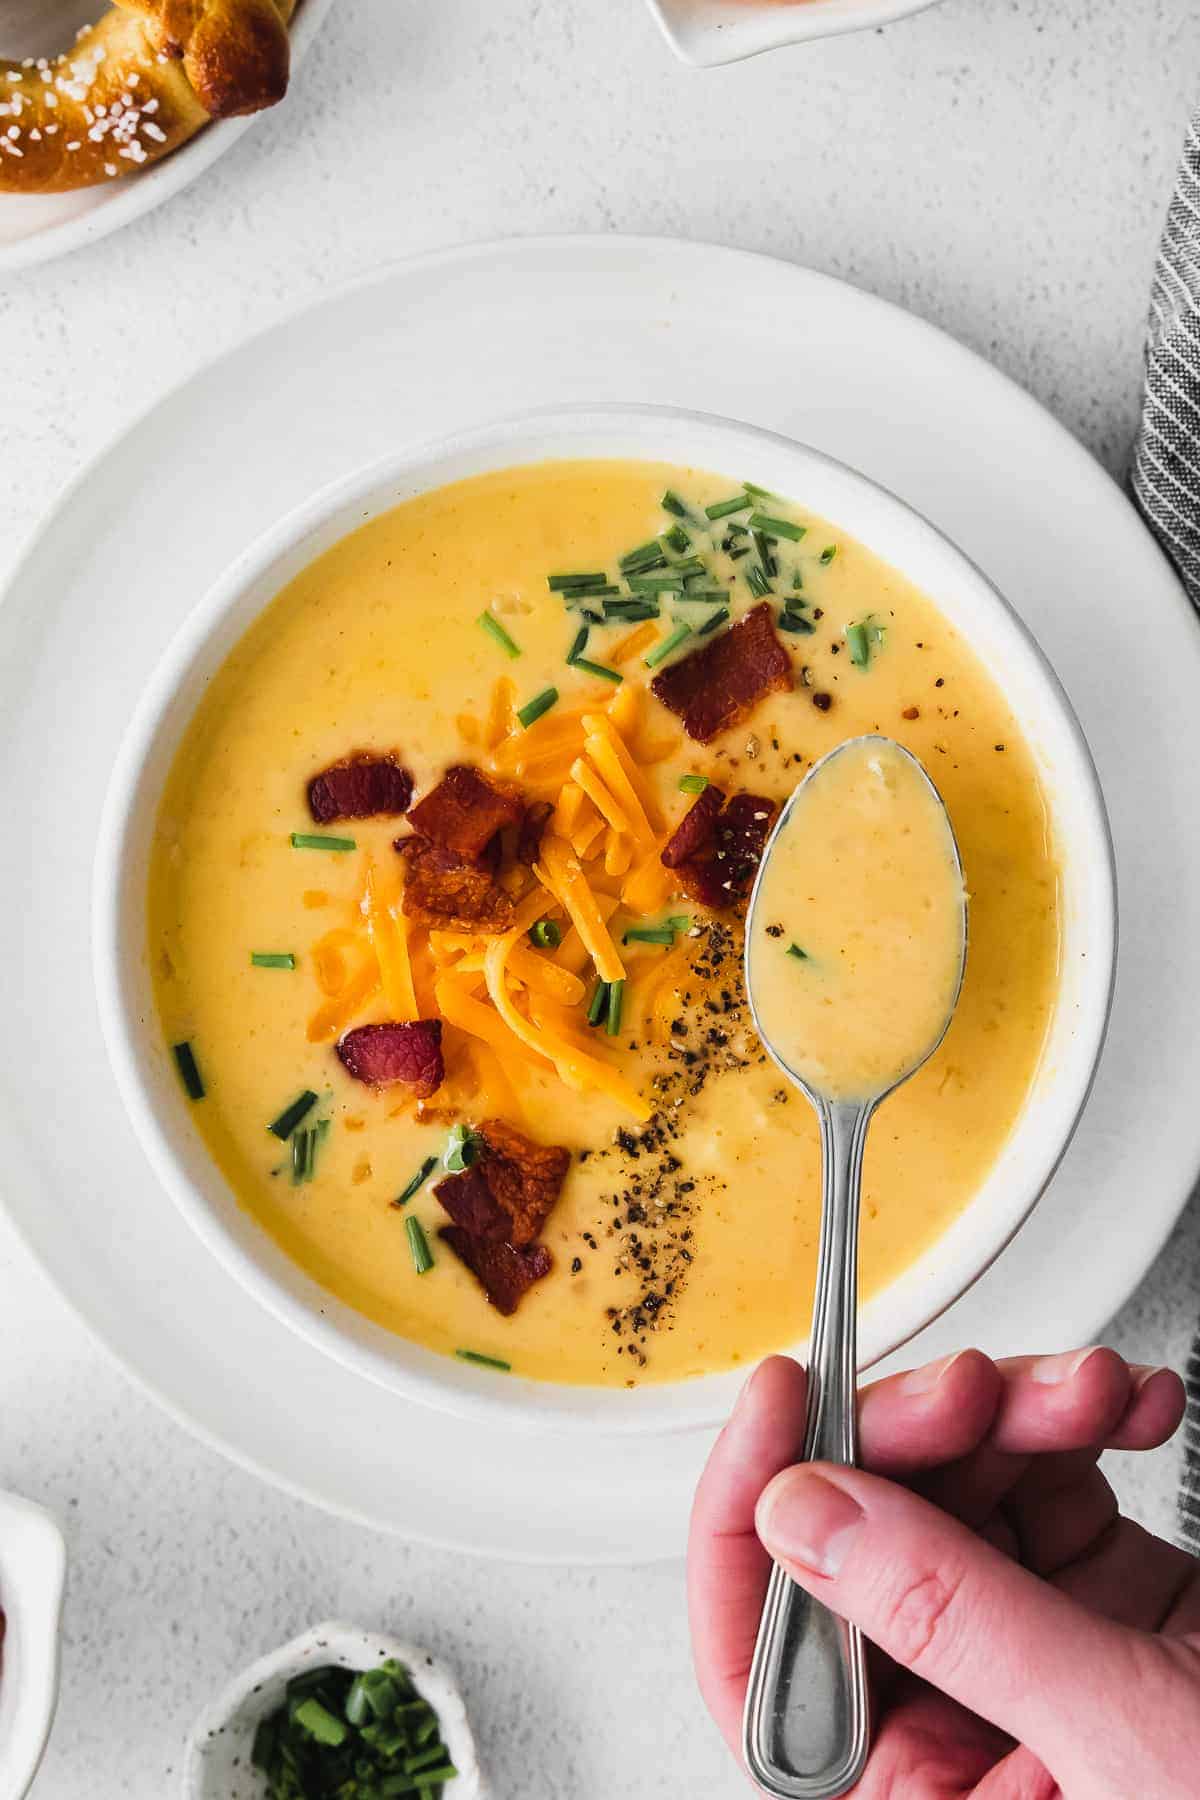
{"points": [[366, 492], [713, 33]]}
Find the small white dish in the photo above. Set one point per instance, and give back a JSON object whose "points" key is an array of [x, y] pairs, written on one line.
{"points": [[163, 1118], [33, 1567], [707, 33], [36, 228], [217, 1761]]}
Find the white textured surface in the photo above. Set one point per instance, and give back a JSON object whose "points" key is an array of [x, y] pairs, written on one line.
{"points": [[1000, 166]]}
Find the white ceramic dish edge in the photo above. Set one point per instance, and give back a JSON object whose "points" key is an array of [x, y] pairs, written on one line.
{"points": [[149, 1086], [217, 1761], [33, 1567], [709, 33], [95, 213]]}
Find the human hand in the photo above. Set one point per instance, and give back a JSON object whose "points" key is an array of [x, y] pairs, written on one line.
{"points": [[1035, 1642]]}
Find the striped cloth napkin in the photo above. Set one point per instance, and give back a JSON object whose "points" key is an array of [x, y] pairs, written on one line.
{"points": [[1166, 485]]}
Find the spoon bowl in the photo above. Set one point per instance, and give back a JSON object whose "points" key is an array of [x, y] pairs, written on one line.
{"points": [[807, 1729]]}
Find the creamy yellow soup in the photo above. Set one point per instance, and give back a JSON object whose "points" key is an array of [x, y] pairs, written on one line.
{"points": [[858, 926], [683, 1244]]}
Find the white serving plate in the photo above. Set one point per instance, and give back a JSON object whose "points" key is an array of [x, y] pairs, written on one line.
{"points": [[709, 32], [33, 1570], [102, 590], [217, 1761], [164, 1118], [35, 228]]}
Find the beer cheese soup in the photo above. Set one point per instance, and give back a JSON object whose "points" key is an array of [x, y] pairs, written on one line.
{"points": [[857, 935], [447, 902]]}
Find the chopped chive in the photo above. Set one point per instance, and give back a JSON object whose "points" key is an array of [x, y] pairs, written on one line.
{"points": [[735, 529], [828, 553], [676, 539], [571, 596], [559, 584], [418, 1244], [595, 668], [599, 1005], [859, 645], [485, 1362], [304, 1148], [798, 583], [795, 950], [759, 493], [487, 621], [661, 651], [736, 555], [189, 1073], [762, 544], [692, 565], [654, 584], [778, 528], [579, 643], [650, 554], [649, 934], [794, 621], [642, 607], [757, 582], [673, 504], [418, 1181], [290, 1117], [314, 840], [533, 709], [723, 508], [704, 597], [546, 934], [320, 1723], [272, 959], [616, 999], [426, 1779], [680, 921], [462, 1147], [719, 618], [693, 784]]}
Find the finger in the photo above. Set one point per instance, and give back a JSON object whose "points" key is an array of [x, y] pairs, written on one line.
{"points": [[1061, 1507], [1134, 1578], [728, 1568], [1020, 1776], [928, 1748], [1155, 1411], [944, 1604], [929, 1415]]}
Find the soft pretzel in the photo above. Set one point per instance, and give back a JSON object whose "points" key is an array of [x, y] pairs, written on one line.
{"points": [[135, 86]]}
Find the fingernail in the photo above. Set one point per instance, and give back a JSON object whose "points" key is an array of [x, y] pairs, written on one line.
{"points": [[1052, 1371], [923, 1381], [742, 1403], [805, 1519], [1144, 1373]]}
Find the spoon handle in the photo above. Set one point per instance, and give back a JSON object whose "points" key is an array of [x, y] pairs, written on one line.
{"points": [[806, 1731]]}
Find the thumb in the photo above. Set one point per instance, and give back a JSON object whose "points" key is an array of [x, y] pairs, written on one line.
{"points": [[945, 1604]]}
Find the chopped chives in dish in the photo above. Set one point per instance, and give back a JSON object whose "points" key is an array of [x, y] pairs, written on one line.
{"points": [[760, 493], [693, 784], [649, 934], [661, 651], [487, 621], [795, 950], [720, 617], [272, 959], [315, 840], [616, 998], [418, 1181], [598, 1008], [594, 668], [485, 1362], [757, 582], [777, 528], [561, 584], [292, 1115], [418, 1244], [462, 1147], [673, 504], [533, 709], [677, 540], [337, 1733], [579, 643], [859, 645], [796, 622], [828, 553], [546, 934], [722, 508], [189, 1073]]}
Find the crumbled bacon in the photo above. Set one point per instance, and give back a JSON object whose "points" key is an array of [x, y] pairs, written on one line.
{"points": [[722, 850], [696, 831], [412, 1053], [464, 812], [719, 684], [444, 889], [504, 1273], [533, 826], [508, 1192], [359, 787]]}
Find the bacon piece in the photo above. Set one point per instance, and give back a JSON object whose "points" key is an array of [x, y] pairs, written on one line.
{"points": [[719, 684], [533, 825], [412, 1053], [464, 811], [696, 832], [719, 872], [505, 1274], [445, 889], [362, 786], [508, 1192]]}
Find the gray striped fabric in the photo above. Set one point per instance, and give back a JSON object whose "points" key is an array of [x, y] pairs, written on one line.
{"points": [[1166, 464], [1166, 485]]}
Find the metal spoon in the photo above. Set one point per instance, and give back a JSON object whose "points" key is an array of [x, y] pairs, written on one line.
{"points": [[806, 1732]]}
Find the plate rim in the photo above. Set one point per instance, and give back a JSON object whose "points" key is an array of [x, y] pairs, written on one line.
{"points": [[447, 257]]}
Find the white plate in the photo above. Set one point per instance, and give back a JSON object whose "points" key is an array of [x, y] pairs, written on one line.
{"points": [[706, 33], [35, 228], [432, 346]]}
